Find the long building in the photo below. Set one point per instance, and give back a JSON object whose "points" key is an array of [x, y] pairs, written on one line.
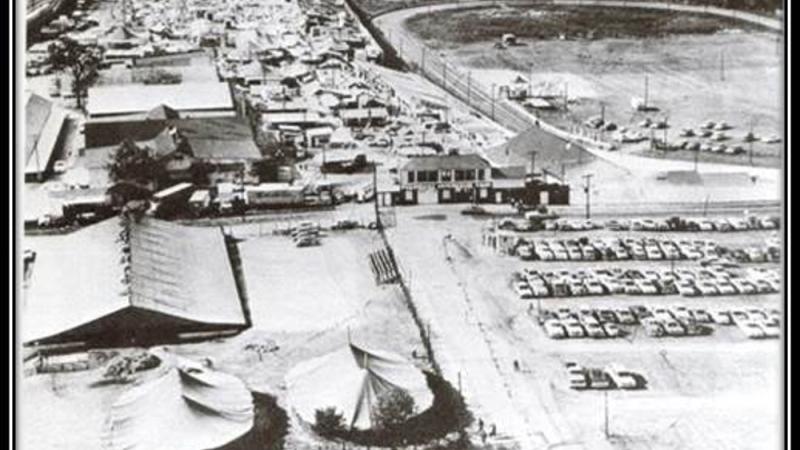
{"points": [[168, 283]]}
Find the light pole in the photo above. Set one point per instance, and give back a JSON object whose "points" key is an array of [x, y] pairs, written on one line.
{"points": [[494, 86], [469, 86], [587, 188]]}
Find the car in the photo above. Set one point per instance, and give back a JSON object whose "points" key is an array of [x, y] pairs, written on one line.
{"points": [[686, 288], [765, 287], [611, 330], [598, 379], [663, 314], [539, 289], [576, 288], [575, 330], [701, 316], [523, 290], [607, 316], [653, 328], [588, 253], [626, 317], [560, 255], [594, 330], [673, 328], [653, 252], [752, 330], [722, 317], [743, 286], [621, 377], [726, 288], [613, 287], [632, 288], [618, 225], [770, 331], [666, 287], [647, 287], [577, 380], [758, 315], [574, 253], [544, 254], [525, 252], [594, 288], [554, 329], [707, 288], [682, 314]]}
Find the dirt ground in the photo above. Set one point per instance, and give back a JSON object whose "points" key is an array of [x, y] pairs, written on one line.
{"points": [[720, 391], [731, 75]]}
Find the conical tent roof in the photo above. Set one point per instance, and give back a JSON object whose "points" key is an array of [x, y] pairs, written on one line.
{"points": [[351, 380], [162, 112], [185, 408]]}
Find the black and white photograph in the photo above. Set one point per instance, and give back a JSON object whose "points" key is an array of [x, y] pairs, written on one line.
{"points": [[400, 224]]}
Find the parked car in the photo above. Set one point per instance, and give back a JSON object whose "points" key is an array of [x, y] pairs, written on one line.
{"points": [[595, 330], [575, 330], [523, 290], [612, 330], [722, 317], [674, 328], [554, 329], [770, 331], [621, 377], [752, 330]]}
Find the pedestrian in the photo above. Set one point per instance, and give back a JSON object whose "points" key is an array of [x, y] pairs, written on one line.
{"points": [[493, 430], [480, 424], [516, 365], [483, 436]]}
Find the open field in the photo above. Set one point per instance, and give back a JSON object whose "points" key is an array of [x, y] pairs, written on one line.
{"points": [[717, 391], [725, 76]]}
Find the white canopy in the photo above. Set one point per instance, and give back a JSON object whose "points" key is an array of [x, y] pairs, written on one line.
{"points": [[186, 408], [351, 380]]}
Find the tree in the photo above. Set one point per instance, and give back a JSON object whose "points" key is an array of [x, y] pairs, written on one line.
{"points": [[394, 408], [328, 423], [134, 164], [80, 61]]}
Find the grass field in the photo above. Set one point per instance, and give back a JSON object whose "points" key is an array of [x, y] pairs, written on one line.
{"points": [[561, 22], [697, 69]]}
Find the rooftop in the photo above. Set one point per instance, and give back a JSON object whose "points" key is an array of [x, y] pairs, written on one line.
{"points": [[139, 98], [447, 162]]}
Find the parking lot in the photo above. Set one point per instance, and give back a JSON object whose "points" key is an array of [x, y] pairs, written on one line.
{"points": [[700, 385]]}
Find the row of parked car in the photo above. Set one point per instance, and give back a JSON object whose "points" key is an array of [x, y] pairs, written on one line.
{"points": [[613, 376], [677, 321], [677, 223], [612, 249], [689, 282]]}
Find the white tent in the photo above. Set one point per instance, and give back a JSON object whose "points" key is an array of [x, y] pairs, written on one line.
{"points": [[187, 408], [351, 380]]}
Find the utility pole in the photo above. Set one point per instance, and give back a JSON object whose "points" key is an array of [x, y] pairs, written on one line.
{"points": [[422, 62], [375, 195], [605, 407], [530, 82], [696, 154], [587, 188], [469, 86], [533, 162], [646, 90], [493, 96], [444, 74]]}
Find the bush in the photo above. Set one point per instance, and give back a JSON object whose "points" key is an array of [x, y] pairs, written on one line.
{"points": [[161, 76], [328, 423]]}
